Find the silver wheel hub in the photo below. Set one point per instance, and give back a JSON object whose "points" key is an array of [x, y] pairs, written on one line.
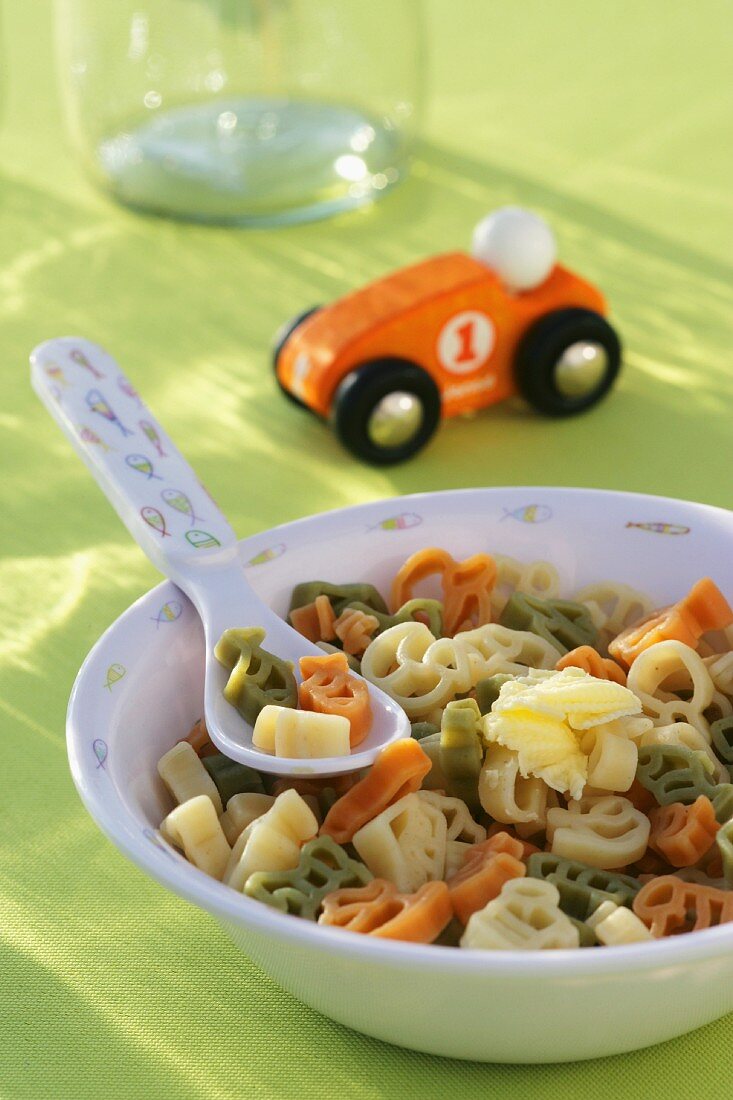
{"points": [[581, 368], [395, 420]]}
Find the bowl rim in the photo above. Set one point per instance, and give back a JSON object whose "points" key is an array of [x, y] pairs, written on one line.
{"points": [[174, 872]]}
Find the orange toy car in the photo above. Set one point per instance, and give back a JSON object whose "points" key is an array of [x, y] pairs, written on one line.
{"points": [[450, 335]]}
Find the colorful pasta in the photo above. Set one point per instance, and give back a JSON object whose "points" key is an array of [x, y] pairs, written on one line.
{"points": [[550, 796]]}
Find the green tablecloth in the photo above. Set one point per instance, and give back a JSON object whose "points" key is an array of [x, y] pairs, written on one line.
{"points": [[612, 120]]}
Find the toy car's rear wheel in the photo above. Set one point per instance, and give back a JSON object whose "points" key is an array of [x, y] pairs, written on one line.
{"points": [[281, 338], [568, 361], [386, 410]]}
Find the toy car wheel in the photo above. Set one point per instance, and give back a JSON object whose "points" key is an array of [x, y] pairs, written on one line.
{"points": [[567, 361], [385, 411], [281, 338]]}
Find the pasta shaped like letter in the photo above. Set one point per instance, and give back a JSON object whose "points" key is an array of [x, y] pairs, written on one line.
{"points": [[398, 770], [703, 609], [405, 844], [668, 906], [657, 664], [256, 676], [506, 795], [323, 867], [605, 831], [562, 623], [683, 834], [525, 916], [379, 910], [329, 687], [466, 586]]}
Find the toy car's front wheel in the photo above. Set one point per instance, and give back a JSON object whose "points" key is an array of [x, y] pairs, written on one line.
{"points": [[568, 361], [386, 410]]}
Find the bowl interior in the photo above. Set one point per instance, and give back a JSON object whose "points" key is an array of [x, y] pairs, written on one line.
{"points": [[141, 688]]}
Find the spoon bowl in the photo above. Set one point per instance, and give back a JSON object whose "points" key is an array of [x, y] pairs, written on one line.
{"points": [[177, 524]]}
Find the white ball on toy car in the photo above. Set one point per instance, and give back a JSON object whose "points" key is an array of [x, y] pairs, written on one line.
{"points": [[518, 245]]}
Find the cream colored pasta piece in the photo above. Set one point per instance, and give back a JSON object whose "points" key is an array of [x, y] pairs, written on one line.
{"points": [[461, 825], [185, 776], [615, 925], [621, 605], [537, 578], [301, 734], [506, 795], [399, 662], [423, 673], [242, 809], [525, 917], [493, 649], [194, 827], [273, 841], [682, 733], [263, 732], [612, 759], [405, 844], [606, 831], [455, 854], [307, 734], [648, 677]]}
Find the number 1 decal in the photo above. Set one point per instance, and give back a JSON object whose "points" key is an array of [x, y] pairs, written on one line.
{"points": [[465, 342]]}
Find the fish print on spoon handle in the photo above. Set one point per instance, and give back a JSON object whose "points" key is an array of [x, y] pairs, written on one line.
{"points": [[174, 520]]}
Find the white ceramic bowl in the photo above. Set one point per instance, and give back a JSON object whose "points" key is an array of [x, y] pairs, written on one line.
{"points": [[141, 689]]}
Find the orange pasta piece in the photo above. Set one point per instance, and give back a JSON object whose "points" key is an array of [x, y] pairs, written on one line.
{"points": [[683, 834], [466, 586], [505, 840], [355, 629], [650, 864], [329, 688], [377, 909], [669, 906], [482, 876], [399, 769], [200, 741], [704, 608], [587, 658], [315, 620]]}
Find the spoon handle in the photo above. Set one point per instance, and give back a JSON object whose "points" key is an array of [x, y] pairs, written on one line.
{"points": [[148, 481]]}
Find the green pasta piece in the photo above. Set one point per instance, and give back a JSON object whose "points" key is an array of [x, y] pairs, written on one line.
{"points": [[722, 800], [430, 609], [423, 729], [461, 753], [674, 773], [562, 623], [724, 840], [722, 737], [257, 677], [577, 899], [231, 777], [435, 780], [585, 932], [324, 867], [339, 594], [487, 691], [620, 888]]}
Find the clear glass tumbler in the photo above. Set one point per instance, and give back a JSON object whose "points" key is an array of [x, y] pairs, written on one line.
{"points": [[242, 111]]}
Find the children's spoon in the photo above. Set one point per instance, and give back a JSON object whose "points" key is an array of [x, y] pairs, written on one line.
{"points": [[174, 520]]}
